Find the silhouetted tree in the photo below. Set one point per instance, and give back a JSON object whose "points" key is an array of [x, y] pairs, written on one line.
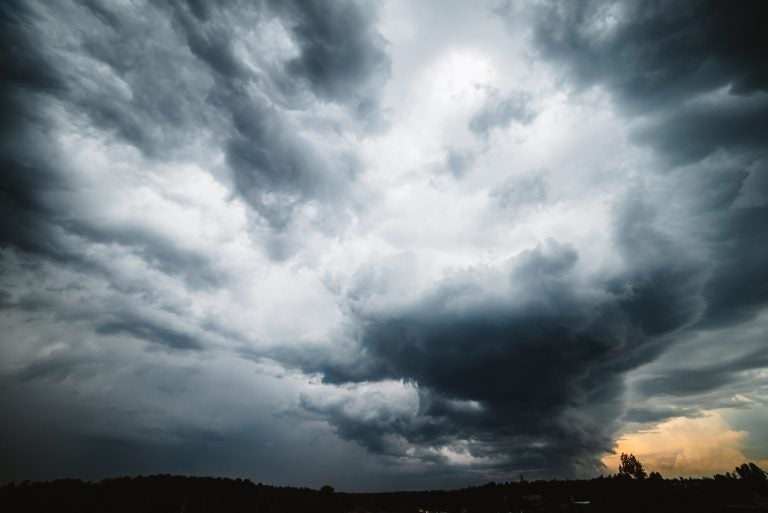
{"points": [[631, 467], [751, 473], [172, 494]]}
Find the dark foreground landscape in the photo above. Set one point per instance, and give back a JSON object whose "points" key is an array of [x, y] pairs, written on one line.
{"points": [[745, 490]]}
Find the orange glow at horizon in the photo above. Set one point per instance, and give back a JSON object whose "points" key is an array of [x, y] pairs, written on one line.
{"points": [[689, 447]]}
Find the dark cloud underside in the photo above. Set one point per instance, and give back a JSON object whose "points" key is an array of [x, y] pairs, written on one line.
{"points": [[538, 365]]}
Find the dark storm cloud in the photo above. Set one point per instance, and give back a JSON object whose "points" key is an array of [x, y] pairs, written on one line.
{"points": [[699, 129], [662, 292], [509, 371], [135, 78], [25, 172], [111, 315], [654, 54], [546, 363], [738, 284], [520, 364], [534, 376], [152, 332], [691, 71], [342, 54], [274, 169], [167, 256], [156, 87], [687, 381], [54, 433], [537, 359], [657, 415], [723, 374], [54, 367], [154, 115], [33, 169], [157, 78]]}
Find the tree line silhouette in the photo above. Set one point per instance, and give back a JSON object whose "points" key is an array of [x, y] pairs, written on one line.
{"points": [[630, 490]]}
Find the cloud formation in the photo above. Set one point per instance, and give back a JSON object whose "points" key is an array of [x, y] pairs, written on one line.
{"points": [[528, 358], [501, 111], [701, 446], [274, 229]]}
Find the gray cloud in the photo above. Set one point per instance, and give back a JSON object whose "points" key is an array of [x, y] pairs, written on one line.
{"points": [[342, 53], [655, 54], [567, 353], [147, 331], [528, 359], [207, 246], [514, 194], [500, 111], [163, 91], [654, 415], [701, 370], [35, 169], [157, 98], [160, 79], [702, 96], [54, 433], [459, 162], [755, 443], [699, 129], [664, 291]]}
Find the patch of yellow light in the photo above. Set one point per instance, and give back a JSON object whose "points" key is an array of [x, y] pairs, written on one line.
{"points": [[682, 446]]}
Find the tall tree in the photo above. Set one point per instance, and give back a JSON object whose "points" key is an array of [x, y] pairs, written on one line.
{"points": [[630, 466]]}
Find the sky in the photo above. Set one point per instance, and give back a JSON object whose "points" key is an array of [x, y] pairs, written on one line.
{"points": [[382, 245]]}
